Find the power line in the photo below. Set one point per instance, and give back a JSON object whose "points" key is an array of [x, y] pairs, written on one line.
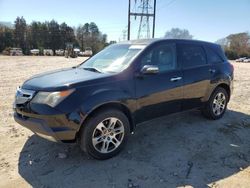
{"points": [[166, 5]]}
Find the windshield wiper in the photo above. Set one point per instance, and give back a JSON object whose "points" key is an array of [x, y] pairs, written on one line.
{"points": [[93, 69]]}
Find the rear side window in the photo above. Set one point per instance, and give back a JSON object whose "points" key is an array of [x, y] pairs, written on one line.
{"points": [[213, 57], [191, 55]]}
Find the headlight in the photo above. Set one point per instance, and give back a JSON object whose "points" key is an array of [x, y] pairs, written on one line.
{"points": [[51, 98]]}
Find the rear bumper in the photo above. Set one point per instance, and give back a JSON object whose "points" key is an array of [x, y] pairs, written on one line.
{"points": [[43, 128]]}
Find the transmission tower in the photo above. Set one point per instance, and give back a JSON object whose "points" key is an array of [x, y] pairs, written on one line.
{"points": [[144, 9]]}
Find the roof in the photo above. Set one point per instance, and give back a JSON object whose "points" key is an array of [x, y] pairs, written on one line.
{"points": [[150, 41]]}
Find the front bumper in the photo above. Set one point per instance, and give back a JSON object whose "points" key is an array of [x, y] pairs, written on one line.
{"points": [[37, 126], [55, 128], [43, 120]]}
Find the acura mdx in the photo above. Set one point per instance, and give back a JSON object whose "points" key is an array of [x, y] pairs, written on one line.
{"points": [[99, 102]]}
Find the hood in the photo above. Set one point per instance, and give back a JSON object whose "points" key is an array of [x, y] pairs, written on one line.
{"points": [[61, 79]]}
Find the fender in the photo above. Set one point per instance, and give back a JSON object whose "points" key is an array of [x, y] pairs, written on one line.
{"points": [[103, 97], [218, 80]]}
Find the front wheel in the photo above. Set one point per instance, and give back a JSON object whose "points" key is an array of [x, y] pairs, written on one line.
{"points": [[105, 134], [217, 104]]}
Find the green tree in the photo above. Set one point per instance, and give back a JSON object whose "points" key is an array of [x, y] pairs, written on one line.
{"points": [[6, 37], [89, 35], [50, 34], [35, 35], [20, 33], [83, 36], [94, 30], [67, 35], [54, 36], [45, 35]]}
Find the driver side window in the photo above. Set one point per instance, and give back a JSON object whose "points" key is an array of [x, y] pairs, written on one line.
{"points": [[163, 56]]}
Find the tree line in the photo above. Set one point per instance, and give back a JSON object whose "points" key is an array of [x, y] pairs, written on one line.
{"points": [[236, 45], [51, 35]]}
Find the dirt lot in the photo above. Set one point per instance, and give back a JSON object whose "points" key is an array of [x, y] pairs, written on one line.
{"points": [[182, 150]]}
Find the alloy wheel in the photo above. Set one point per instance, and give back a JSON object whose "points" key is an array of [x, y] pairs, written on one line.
{"points": [[219, 103], [108, 135]]}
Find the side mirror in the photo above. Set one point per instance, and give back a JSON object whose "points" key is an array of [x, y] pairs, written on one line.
{"points": [[150, 69]]}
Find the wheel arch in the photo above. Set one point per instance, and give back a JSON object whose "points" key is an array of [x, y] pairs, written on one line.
{"points": [[226, 87], [110, 105], [211, 90], [207, 108]]}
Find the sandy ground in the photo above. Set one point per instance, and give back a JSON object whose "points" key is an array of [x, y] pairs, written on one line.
{"points": [[184, 150]]}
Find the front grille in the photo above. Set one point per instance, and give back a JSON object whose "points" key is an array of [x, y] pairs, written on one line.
{"points": [[23, 96]]}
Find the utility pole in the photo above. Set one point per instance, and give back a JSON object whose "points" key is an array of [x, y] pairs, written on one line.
{"points": [[129, 9], [153, 34], [144, 9]]}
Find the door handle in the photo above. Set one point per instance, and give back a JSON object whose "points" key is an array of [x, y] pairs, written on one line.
{"points": [[175, 79], [212, 70]]}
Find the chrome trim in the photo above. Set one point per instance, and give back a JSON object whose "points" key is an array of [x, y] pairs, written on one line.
{"points": [[23, 95], [175, 79]]}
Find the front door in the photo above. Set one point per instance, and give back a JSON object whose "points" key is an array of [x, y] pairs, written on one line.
{"points": [[160, 93]]}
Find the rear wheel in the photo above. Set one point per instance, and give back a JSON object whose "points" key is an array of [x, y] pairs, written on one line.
{"points": [[105, 134], [217, 104]]}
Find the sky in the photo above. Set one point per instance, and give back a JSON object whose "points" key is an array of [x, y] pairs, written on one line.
{"points": [[207, 20]]}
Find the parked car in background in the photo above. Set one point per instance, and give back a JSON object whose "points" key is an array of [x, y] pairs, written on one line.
{"points": [[48, 52], [247, 60], [76, 51], [99, 102], [241, 59], [59, 52], [81, 53], [88, 52], [35, 51], [16, 52]]}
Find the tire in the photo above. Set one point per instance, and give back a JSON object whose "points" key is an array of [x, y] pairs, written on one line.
{"points": [[216, 102], [105, 134]]}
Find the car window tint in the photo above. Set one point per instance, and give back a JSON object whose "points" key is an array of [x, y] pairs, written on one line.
{"points": [[213, 57], [147, 59], [191, 55], [163, 56]]}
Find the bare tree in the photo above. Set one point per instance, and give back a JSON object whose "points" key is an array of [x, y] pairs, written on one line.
{"points": [[177, 33]]}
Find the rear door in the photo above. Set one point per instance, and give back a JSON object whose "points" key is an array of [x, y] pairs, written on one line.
{"points": [[196, 73]]}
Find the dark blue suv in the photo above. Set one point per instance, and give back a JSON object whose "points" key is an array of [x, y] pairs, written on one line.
{"points": [[100, 102]]}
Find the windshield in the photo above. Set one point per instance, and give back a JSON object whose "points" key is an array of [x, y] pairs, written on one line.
{"points": [[113, 59]]}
